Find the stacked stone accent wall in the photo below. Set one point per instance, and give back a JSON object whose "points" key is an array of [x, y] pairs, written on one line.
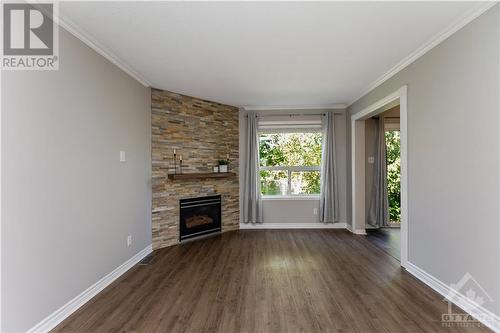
{"points": [[202, 132]]}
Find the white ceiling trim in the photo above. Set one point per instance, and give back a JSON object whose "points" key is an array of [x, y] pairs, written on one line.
{"points": [[90, 41], [298, 107], [433, 42]]}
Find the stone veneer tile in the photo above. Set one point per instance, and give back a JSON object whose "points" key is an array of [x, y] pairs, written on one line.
{"points": [[202, 132]]}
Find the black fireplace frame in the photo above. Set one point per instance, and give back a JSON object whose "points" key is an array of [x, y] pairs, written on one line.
{"points": [[206, 201]]}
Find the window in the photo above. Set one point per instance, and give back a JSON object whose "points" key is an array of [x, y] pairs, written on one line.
{"points": [[393, 160], [290, 162]]}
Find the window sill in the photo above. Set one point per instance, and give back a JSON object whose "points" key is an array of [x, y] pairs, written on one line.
{"points": [[290, 197]]}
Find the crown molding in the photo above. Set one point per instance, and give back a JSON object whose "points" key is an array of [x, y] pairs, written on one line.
{"points": [[426, 47], [294, 107], [90, 41], [86, 38]]}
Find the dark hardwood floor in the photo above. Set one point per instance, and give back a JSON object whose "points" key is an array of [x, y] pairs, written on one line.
{"points": [[388, 239], [266, 281]]}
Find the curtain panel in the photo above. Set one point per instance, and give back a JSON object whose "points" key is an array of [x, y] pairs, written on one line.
{"points": [[252, 197], [378, 213], [329, 202]]}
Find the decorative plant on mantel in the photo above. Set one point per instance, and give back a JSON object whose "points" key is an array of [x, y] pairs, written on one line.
{"points": [[223, 165]]}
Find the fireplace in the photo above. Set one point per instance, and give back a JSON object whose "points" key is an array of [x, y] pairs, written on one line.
{"points": [[199, 216]]}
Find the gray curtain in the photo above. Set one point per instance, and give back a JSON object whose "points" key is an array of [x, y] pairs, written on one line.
{"points": [[252, 198], [328, 202], [378, 214]]}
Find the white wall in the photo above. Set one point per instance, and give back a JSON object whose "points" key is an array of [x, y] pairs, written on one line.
{"points": [[290, 211], [454, 154], [295, 210], [68, 204]]}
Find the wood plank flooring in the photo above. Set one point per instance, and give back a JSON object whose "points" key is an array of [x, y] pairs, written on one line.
{"points": [[266, 281], [388, 239]]}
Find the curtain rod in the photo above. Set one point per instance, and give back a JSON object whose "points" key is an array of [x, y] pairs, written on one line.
{"points": [[290, 115]]}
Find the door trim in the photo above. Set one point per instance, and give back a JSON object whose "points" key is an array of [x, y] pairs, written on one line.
{"points": [[357, 168]]}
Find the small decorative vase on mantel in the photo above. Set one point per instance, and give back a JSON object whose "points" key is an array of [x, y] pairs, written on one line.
{"points": [[223, 165]]}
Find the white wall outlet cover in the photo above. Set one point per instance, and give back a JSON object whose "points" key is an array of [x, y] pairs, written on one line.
{"points": [[122, 156], [371, 159], [129, 240], [315, 211]]}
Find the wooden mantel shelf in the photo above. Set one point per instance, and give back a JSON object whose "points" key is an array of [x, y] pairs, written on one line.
{"points": [[188, 176]]}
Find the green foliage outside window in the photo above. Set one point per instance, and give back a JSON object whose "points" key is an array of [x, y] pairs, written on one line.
{"points": [[290, 149], [393, 153], [304, 149]]}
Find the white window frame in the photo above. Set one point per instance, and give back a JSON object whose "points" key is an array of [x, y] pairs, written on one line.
{"points": [[290, 169]]}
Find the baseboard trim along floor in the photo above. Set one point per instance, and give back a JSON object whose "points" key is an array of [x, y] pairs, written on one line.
{"points": [[355, 231], [314, 225], [482, 314], [67, 309]]}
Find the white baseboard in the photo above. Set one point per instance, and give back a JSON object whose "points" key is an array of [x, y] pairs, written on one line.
{"points": [[67, 309], [314, 225], [459, 300], [355, 231]]}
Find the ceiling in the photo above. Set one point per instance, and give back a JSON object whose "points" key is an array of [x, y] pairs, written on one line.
{"points": [[272, 54]]}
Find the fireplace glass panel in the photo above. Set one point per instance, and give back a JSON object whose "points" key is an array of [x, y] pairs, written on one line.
{"points": [[200, 216]]}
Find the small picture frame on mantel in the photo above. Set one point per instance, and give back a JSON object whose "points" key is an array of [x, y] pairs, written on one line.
{"points": [[216, 169]]}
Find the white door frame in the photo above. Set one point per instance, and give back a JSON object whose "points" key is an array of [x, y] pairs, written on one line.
{"points": [[357, 126]]}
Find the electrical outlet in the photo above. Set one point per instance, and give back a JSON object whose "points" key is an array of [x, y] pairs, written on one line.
{"points": [[123, 158], [129, 240], [371, 160], [315, 211]]}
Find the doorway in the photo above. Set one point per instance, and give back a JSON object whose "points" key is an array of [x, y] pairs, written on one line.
{"points": [[383, 180], [360, 192]]}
